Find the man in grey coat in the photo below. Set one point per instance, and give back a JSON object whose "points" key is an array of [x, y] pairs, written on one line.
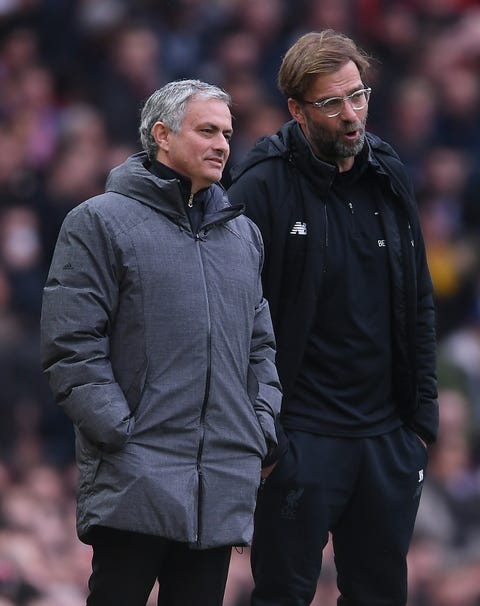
{"points": [[158, 344]]}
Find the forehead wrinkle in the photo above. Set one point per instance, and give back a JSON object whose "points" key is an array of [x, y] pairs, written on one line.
{"points": [[337, 84]]}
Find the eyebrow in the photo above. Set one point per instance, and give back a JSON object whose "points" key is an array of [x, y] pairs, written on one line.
{"points": [[210, 125]]}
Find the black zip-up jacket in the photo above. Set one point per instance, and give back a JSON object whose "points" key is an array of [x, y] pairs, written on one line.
{"points": [[280, 182]]}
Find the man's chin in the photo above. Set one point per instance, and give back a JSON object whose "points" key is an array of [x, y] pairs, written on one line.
{"points": [[215, 175], [347, 149]]}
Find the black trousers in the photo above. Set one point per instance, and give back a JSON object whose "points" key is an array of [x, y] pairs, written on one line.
{"points": [[365, 491], [125, 566]]}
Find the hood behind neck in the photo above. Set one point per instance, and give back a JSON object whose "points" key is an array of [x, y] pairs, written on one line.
{"points": [[133, 179]]}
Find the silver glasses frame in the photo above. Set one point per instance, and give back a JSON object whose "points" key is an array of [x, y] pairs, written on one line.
{"points": [[321, 105]]}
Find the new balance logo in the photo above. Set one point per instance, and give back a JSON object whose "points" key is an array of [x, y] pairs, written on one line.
{"points": [[299, 229]]}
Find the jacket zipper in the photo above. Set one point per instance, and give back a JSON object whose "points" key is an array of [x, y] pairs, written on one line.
{"points": [[325, 262], [205, 395], [352, 217]]}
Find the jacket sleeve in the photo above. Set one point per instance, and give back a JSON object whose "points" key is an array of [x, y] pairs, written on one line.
{"points": [[263, 382], [78, 311], [257, 193], [252, 191], [426, 417]]}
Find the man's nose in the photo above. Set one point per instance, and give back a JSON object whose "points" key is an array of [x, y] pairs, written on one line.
{"points": [[222, 143], [348, 113]]}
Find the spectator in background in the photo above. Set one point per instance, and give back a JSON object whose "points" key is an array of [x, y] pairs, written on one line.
{"points": [[414, 106], [459, 357], [452, 256], [266, 23], [188, 29], [39, 558], [15, 174], [78, 170], [448, 519], [22, 257], [131, 69], [36, 114]]}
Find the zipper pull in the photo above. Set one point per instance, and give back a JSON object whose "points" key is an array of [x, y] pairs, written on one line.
{"points": [[190, 201], [350, 206]]}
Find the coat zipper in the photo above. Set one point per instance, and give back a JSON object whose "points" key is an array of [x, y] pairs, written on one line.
{"points": [[205, 395]]}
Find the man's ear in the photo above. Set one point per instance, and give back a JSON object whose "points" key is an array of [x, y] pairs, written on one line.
{"points": [[160, 133], [296, 110]]}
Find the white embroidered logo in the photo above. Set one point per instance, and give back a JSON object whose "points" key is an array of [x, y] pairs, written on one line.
{"points": [[420, 475], [381, 243], [299, 229]]}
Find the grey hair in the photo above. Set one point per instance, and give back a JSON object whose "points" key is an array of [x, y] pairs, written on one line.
{"points": [[168, 105]]}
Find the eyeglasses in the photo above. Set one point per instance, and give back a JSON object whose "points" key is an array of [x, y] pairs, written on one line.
{"points": [[333, 106]]}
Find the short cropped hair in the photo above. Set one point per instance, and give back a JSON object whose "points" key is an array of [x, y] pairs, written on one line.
{"points": [[168, 105], [317, 53]]}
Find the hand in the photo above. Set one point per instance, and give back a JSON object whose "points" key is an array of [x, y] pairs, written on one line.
{"points": [[266, 471]]}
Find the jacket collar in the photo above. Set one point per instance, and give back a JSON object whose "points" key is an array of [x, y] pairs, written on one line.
{"points": [[322, 173], [167, 174], [291, 145]]}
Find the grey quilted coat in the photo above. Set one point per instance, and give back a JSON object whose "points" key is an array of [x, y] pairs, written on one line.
{"points": [[158, 345]]}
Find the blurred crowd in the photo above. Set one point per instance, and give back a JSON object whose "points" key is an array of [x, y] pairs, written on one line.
{"points": [[73, 76]]}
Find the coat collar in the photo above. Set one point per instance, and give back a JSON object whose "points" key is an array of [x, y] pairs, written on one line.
{"points": [[134, 179]]}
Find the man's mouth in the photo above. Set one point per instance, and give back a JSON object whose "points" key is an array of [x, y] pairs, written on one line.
{"points": [[352, 131], [217, 161]]}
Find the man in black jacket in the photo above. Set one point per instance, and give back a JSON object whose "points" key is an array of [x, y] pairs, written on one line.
{"points": [[351, 299]]}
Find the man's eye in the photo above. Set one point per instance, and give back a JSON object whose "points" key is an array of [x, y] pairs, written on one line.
{"points": [[332, 103], [358, 96]]}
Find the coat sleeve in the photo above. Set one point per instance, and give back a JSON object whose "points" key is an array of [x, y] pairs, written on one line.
{"points": [[78, 310]]}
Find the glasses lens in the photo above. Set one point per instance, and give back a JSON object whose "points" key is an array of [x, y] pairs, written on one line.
{"points": [[359, 99], [333, 105]]}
